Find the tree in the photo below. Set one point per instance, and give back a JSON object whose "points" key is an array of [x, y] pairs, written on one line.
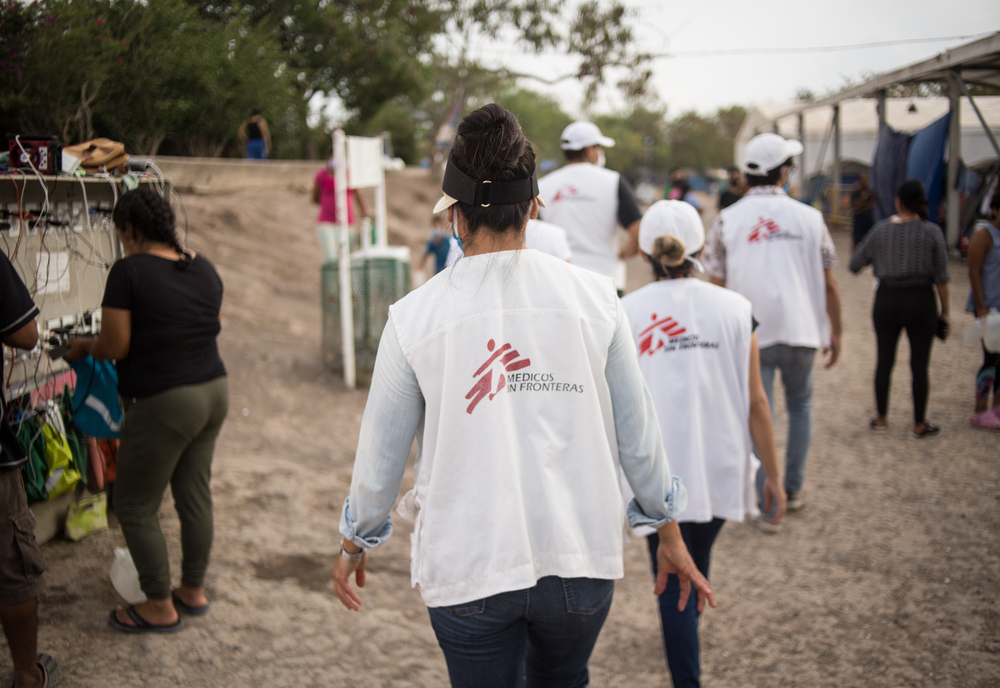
{"points": [[541, 119], [641, 141], [156, 76]]}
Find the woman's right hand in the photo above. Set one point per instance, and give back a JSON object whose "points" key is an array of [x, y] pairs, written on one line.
{"points": [[774, 493], [672, 556]]}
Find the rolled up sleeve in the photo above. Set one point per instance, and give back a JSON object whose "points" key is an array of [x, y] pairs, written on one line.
{"points": [[392, 415], [659, 495]]}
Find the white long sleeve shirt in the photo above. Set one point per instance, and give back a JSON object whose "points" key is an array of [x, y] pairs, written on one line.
{"points": [[518, 375]]}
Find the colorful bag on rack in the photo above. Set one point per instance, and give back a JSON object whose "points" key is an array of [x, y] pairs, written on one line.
{"points": [[74, 436], [29, 434], [63, 476], [97, 411]]}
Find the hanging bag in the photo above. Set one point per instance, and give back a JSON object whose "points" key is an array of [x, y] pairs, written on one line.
{"points": [[62, 474], [29, 434], [97, 410]]}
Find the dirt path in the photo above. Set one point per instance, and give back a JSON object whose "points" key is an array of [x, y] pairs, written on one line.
{"points": [[888, 578]]}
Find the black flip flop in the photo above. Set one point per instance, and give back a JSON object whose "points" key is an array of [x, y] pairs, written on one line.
{"points": [[185, 609], [141, 625]]}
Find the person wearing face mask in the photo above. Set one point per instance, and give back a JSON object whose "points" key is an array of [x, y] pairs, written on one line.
{"points": [[518, 376], [590, 202], [778, 253]]}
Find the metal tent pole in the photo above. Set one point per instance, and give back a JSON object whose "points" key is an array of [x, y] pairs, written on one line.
{"points": [[802, 158], [837, 177], [954, 157]]}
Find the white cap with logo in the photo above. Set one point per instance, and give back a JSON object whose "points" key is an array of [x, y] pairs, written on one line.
{"points": [[766, 152], [579, 135], [672, 218]]}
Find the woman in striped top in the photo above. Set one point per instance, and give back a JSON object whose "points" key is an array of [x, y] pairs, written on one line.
{"points": [[909, 257]]}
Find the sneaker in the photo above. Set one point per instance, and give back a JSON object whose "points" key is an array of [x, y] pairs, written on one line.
{"points": [[928, 432], [763, 523], [875, 427], [987, 420], [795, 500]]}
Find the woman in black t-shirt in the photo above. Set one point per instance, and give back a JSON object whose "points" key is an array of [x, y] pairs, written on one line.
{"points": [[160, 321]]}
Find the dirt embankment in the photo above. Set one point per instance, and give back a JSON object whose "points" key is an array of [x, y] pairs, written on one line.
{"points": [[888, 578]]}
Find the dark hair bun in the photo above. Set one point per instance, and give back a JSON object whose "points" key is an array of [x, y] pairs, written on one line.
{"points": [[913, 197], [490, 145]]}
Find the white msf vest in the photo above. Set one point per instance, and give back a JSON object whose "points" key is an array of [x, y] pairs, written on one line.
{"points": [[693, 340], [583, 199], [517, 475], [774, 258]]}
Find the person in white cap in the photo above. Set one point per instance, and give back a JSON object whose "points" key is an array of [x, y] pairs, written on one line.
{"points": [[698, 355], [590, 202], [778, 253], [517, 375]]}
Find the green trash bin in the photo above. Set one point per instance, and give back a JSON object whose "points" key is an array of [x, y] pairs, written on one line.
{"points": [[380, 276]]}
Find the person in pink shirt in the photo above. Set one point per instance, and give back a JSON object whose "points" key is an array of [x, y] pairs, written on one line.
{"points": [[325, 195]]}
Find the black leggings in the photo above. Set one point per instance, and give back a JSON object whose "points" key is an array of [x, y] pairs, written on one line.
{"points": [[915, 309], [988, 376]]}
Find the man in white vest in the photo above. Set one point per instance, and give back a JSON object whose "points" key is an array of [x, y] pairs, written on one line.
{"points": [[778, 253], [589, 201]]}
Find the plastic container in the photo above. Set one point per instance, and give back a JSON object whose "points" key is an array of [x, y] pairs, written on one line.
{"points": [[125, 578], [986, 330]]}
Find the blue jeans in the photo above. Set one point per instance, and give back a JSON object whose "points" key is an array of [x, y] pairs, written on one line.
{"points": [[542, 636], [256, 149], [680, 629], [796, 365]]}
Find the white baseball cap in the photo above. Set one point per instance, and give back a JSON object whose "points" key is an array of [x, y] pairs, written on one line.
{"points": [[765, 152], [672, 218], [579, 135]]}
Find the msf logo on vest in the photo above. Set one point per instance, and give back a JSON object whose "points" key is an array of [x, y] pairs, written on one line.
{"points": [[504, 360], [657, 335], [766, 230]]}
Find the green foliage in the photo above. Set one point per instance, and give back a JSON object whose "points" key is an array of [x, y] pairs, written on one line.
{"points": [[705, 142], [155, 76], [395, 117], [641, 141], [179, 76], [541, 119]]}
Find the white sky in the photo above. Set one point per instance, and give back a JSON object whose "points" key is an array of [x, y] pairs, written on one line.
{"points": [[706, 83]]}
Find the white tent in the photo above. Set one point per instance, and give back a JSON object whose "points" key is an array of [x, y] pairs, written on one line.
{"points": [[859, 127]]}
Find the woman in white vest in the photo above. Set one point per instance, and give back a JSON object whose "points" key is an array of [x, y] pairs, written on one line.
{"points": [[698, 354], [517, 375]]}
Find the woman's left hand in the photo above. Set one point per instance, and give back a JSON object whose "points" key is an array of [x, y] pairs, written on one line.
{"points": [[79, 349], [342, 571]]}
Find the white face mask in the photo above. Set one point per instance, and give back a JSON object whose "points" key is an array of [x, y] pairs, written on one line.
{"points": [[601, 160]]}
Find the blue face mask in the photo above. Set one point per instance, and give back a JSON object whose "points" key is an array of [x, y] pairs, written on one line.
{"points": [[786, 187]]}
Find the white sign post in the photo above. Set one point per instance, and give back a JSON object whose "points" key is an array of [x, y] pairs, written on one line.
{"points": [[344, 269], [358, 162]]}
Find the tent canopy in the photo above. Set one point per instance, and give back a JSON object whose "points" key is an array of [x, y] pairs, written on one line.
{"points": [[859, 125]]}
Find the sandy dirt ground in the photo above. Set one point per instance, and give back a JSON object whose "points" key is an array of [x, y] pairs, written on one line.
{"points": [[889, 577]]}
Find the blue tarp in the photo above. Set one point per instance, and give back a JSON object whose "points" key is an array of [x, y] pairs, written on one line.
{"points": [[926, 160], [889, 169]]}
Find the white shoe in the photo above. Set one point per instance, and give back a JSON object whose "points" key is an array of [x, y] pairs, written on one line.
{"points": [[764, 524]]}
